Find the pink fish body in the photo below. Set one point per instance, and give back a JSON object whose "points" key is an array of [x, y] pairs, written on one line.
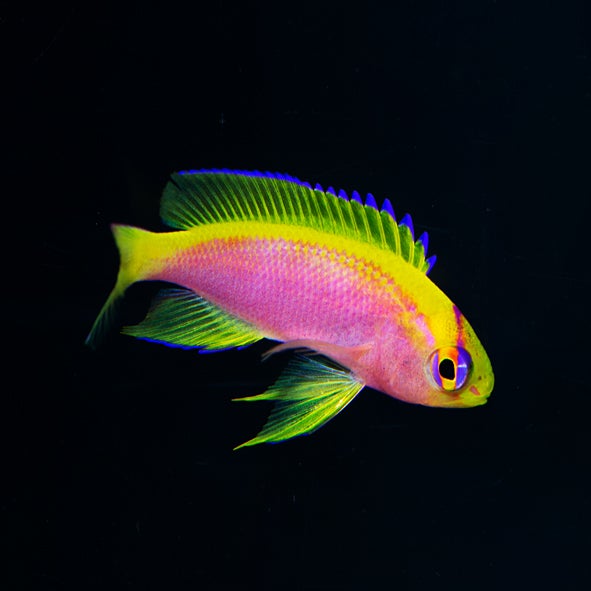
{"points": [[266, 256]]}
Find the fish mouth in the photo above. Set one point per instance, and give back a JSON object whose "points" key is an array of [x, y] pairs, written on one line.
{"points": [[477, 398], [472, 396], [476, 395]]}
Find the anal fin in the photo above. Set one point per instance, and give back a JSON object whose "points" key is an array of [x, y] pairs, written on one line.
{"points": [[181, 318], [307, 395]]}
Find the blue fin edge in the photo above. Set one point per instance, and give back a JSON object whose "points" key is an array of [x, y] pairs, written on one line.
{"points": [[201, 350]]}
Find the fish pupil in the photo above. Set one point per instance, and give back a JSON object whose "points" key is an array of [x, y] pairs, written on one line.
{"points": [[447, 369]]}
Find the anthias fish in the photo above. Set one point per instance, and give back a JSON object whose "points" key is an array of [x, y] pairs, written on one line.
{"points": [[260, 255]]}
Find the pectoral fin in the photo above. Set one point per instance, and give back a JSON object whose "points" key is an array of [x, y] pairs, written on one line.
{"points": [[307, 395]]}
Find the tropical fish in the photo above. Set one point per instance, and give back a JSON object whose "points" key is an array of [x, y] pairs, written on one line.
{"points": [[340, 281]]}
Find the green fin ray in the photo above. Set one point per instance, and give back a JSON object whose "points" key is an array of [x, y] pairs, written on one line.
{"points": [[307, 395], [182, 318], [206, 197]]}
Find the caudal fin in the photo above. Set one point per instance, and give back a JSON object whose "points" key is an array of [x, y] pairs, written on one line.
{"points": [[129, 241]]}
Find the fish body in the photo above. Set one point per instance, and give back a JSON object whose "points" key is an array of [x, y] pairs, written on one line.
{"points": [[266, 256]]}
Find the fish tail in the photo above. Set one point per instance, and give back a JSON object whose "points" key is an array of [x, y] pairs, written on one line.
{"points": [[130, 242]]}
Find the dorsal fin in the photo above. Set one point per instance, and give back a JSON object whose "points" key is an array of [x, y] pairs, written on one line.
{"points": [[197, 197]]}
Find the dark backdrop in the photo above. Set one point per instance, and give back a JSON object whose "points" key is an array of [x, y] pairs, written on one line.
{"points": [[119, 470]]}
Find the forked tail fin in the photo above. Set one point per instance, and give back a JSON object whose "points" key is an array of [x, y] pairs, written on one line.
{"points": [[129, 241]]}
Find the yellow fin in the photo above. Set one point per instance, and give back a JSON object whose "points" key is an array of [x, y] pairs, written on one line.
{"points": [[307, 395], [181, 318], [130, 242]]}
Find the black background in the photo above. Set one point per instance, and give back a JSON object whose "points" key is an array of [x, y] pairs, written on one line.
{"points": [[119, 470]]}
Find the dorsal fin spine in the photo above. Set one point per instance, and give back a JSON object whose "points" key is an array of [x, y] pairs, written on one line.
{"points": [[363, 213], [211, 203], [310, 202], [267, 204], [406, 242], [259, 203], [390, 231], [300, 211], [351, 217], [255, 200], [375, 225], [419, 255], [407, 221], [327, 215], [282, 204], [334, 203], [424, 240], [215, 207], [359, 217], [315, 207], [277, 209]]}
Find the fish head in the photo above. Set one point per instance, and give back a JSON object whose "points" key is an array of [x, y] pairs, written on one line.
{"points": [[440, 362], [458, 372]]}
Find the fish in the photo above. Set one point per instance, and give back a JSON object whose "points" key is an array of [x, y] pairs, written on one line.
{"points": [[330, 277]]}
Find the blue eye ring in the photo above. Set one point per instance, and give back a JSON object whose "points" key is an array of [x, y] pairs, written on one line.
{"points": [[450, 368]]}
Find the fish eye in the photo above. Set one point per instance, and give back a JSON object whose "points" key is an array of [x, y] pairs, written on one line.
{"points": [[450, 367], [447, 369]]}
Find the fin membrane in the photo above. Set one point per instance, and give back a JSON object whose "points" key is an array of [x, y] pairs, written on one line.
{"points": [[179, 317], [307, 395], [200, 197]]}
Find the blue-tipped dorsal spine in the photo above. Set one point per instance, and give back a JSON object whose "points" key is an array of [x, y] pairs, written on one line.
{"points": [[387, 207], [356, 197], [370, 201], [407, 221], [424, 240]]}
